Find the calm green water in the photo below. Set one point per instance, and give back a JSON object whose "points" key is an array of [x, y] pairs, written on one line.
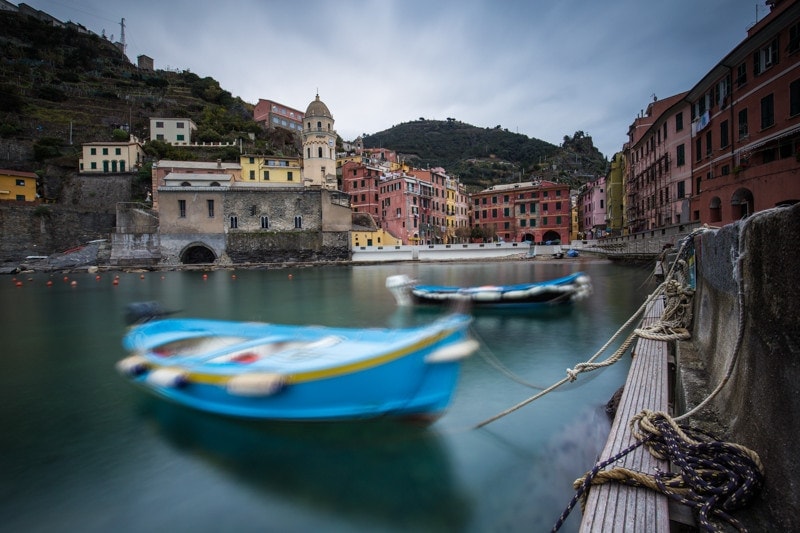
{"points": [[82, 450]]}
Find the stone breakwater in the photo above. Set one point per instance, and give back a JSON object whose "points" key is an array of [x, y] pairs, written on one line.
{"points": [[745, 335]]}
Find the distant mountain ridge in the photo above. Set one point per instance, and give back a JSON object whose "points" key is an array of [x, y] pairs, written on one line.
{"points": [[482, 157]]}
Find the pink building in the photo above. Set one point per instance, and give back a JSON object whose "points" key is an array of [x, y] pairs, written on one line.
{"points": [[433, 209], [275, 115], [405, 207], [592, 219], [658, 167], [362, 182]]}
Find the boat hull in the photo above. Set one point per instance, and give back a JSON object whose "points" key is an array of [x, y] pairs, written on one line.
{"points": [[521, 297], [391, 377]]}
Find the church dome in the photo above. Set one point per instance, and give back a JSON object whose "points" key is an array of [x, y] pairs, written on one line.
{"points": [[317, 108]]}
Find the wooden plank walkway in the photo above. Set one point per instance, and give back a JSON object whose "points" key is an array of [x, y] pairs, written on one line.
{"points": [[613, 506]]}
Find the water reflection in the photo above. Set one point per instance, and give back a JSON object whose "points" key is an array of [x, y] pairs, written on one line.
{"points": [[392, 471], [85, 451]]}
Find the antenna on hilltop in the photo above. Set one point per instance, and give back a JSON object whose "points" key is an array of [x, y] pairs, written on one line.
{"points": [[122, 35]]}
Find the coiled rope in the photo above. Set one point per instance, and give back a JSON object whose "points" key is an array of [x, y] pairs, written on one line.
{"points": [[714, 478], [677, 315]]}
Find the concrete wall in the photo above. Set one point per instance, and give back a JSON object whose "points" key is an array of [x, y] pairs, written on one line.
{"points": [[135, 249], [758, 407], [439, 252]]}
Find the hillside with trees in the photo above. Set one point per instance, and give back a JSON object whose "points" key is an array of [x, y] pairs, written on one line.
{"points": [[482, 157], [60, 88]]}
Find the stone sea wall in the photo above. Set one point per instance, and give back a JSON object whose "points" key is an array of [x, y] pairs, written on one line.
{"points": [[747, 326]]}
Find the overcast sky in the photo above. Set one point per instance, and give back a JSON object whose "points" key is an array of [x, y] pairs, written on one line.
{"points": [[544, 69]]}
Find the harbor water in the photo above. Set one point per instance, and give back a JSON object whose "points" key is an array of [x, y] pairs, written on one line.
{"points": [[83, 450]]}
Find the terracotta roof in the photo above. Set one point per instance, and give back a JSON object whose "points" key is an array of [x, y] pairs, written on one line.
{"points": [[20, 173]]}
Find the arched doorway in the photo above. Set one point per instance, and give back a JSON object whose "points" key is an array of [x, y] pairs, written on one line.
{"points": [[551, 237], [528, 237], [741, 204], [196, 254]]}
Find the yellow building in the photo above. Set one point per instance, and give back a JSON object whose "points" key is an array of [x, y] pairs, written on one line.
{"points": [[268, 170], [17, 186], [574, 229], [111, 156], [615, 195], [355, 158], [378, 237]]}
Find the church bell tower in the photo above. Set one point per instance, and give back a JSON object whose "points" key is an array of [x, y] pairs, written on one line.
{"points": [[319, 147]]}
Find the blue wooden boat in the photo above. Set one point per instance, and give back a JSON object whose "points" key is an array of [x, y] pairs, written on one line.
{"points": [[522, 296], [285, 372]]}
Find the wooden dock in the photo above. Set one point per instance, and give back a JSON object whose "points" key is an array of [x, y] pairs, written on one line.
{"points": [[617, 507]]}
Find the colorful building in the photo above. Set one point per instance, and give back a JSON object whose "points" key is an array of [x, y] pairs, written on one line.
{"points": [[373, 237], [18, 186], [275, 115], [362, 183], [432, 209], [592, 209], [745, 115], [405, 207], [658, 171], [615, 195], [260, 170], [174, 131], [111, 156], [535, 211]]}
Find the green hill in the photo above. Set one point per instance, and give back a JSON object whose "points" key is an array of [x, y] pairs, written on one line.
{"points": [[481, 157], [60, 88]]}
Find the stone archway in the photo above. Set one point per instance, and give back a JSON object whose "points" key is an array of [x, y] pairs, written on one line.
{"points": [[551, 237], [741, 204], [196, 254]]}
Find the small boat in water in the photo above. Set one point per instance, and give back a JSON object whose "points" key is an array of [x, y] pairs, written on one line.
{"points": [[523, 296], [286, 372]]}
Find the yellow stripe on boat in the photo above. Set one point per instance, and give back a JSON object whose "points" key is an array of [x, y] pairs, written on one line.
{"points": [[313, 375]]}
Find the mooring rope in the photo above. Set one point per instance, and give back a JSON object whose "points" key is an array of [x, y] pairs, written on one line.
{"points": [[714, 478], [588, 366], [494, 361], [677, 315], [673, 325], [740, 250]]}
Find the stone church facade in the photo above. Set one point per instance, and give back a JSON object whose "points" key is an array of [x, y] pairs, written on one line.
{"points": [[227, 222]]}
